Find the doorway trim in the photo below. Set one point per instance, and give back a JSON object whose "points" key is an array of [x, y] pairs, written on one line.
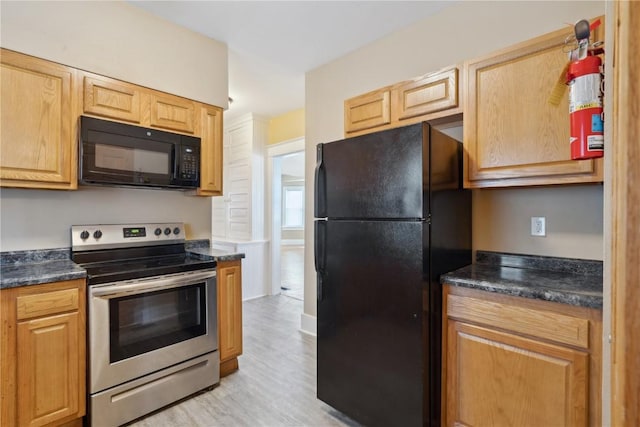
{"points": [[273, 204]]}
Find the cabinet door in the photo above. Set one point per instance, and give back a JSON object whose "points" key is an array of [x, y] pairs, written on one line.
{"points": [[172, 112], [230, 309], [38, 139], [496, 379], [512, 134], [429, 94], [47, 371], [111, 98], [43, 354], [367, 111], [211, 151]]}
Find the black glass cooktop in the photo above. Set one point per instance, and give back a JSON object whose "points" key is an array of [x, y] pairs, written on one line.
{"points": [[126, 264]]}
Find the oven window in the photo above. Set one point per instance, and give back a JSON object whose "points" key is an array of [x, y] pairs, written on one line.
{"points": [[146, 322]]}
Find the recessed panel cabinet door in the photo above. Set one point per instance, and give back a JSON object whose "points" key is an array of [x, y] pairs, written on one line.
{"points": [[230, 309], [432, 93], [211, 151], [38, 137], [48, 355], [499, 379], [172, 112], [512, 135], [367, 111], [111, 98]]}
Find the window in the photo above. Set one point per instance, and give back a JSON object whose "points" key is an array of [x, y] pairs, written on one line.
{"points": [[293, 206]]}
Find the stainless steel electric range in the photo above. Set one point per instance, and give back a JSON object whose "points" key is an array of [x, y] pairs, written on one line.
{"points": [[152, 318]]}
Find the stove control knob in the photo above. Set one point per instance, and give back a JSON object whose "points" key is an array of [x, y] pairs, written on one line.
{"points": [[176, 230], [97, 234], [158, 231], [167, 231], [84, 235]]}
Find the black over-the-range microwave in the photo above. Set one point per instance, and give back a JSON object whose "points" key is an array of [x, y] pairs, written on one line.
{"points": [[113, 153]]}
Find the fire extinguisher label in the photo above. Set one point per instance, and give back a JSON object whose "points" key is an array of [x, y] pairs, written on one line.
{"points": [[596, 123], [585, 93], [595, 142]]}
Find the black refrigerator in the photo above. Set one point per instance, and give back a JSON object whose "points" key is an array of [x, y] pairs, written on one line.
{"points": [[391, 217]]}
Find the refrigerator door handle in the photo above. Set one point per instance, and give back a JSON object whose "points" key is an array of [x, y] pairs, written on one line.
{"points": [[320, 254], [320, 186]]}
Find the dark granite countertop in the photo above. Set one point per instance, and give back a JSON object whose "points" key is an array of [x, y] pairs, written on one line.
{"points": [[564, 280], [202, 247], [22, 268]]}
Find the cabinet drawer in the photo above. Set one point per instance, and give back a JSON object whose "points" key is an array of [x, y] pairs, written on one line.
{"points": [[367, 111], [543, 324], [432, 93], [30, 306]]}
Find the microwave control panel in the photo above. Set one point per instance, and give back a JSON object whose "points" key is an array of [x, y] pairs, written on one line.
{"points": [[190, 163]]}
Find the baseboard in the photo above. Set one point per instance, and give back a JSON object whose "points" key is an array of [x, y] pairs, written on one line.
{"points": [[253, 297], [308, 324]]}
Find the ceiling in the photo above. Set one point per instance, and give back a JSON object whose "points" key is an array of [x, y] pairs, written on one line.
{"points": [[273, 43]]}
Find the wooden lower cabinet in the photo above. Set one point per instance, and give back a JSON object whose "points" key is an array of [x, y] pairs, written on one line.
{"points": [[43, 354], [229, 315], [519, 362]]}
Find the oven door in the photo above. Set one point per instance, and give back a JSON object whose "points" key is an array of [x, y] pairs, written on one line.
{"points": [[140, 326]]}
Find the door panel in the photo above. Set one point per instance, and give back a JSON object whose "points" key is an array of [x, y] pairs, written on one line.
{"points": [[370, 316], [378, 175]]}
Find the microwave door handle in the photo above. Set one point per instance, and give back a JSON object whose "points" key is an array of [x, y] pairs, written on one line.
{"points": [[174, 161]]}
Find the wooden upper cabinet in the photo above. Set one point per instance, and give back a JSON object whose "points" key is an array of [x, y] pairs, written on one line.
{"points": [[210, 151], [111, 98], [428, 97], [41, 102], [367, 111], [172, 112], [429, 94], [38, 140], [512, 135]]}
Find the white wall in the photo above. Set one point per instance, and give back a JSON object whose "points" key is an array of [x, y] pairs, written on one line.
{"points": [[33, 219], [465, 30], [117, 40]]}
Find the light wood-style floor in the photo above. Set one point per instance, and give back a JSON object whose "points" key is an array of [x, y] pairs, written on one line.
{"points": [[276, 383], [292, 271]]}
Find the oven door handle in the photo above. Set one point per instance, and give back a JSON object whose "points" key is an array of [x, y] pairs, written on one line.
{"points": [[127, 288]]}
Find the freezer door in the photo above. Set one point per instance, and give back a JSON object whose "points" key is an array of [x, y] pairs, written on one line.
{"points": [[372, 330], [379, 175]]}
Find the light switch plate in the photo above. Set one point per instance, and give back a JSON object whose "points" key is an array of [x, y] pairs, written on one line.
{"points": [[538, 226]]}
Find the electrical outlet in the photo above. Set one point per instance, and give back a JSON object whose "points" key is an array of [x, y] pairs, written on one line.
{"points": [[538, 226]]}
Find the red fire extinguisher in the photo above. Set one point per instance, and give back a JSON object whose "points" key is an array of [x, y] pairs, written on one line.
{"points": [[585, 108]]}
